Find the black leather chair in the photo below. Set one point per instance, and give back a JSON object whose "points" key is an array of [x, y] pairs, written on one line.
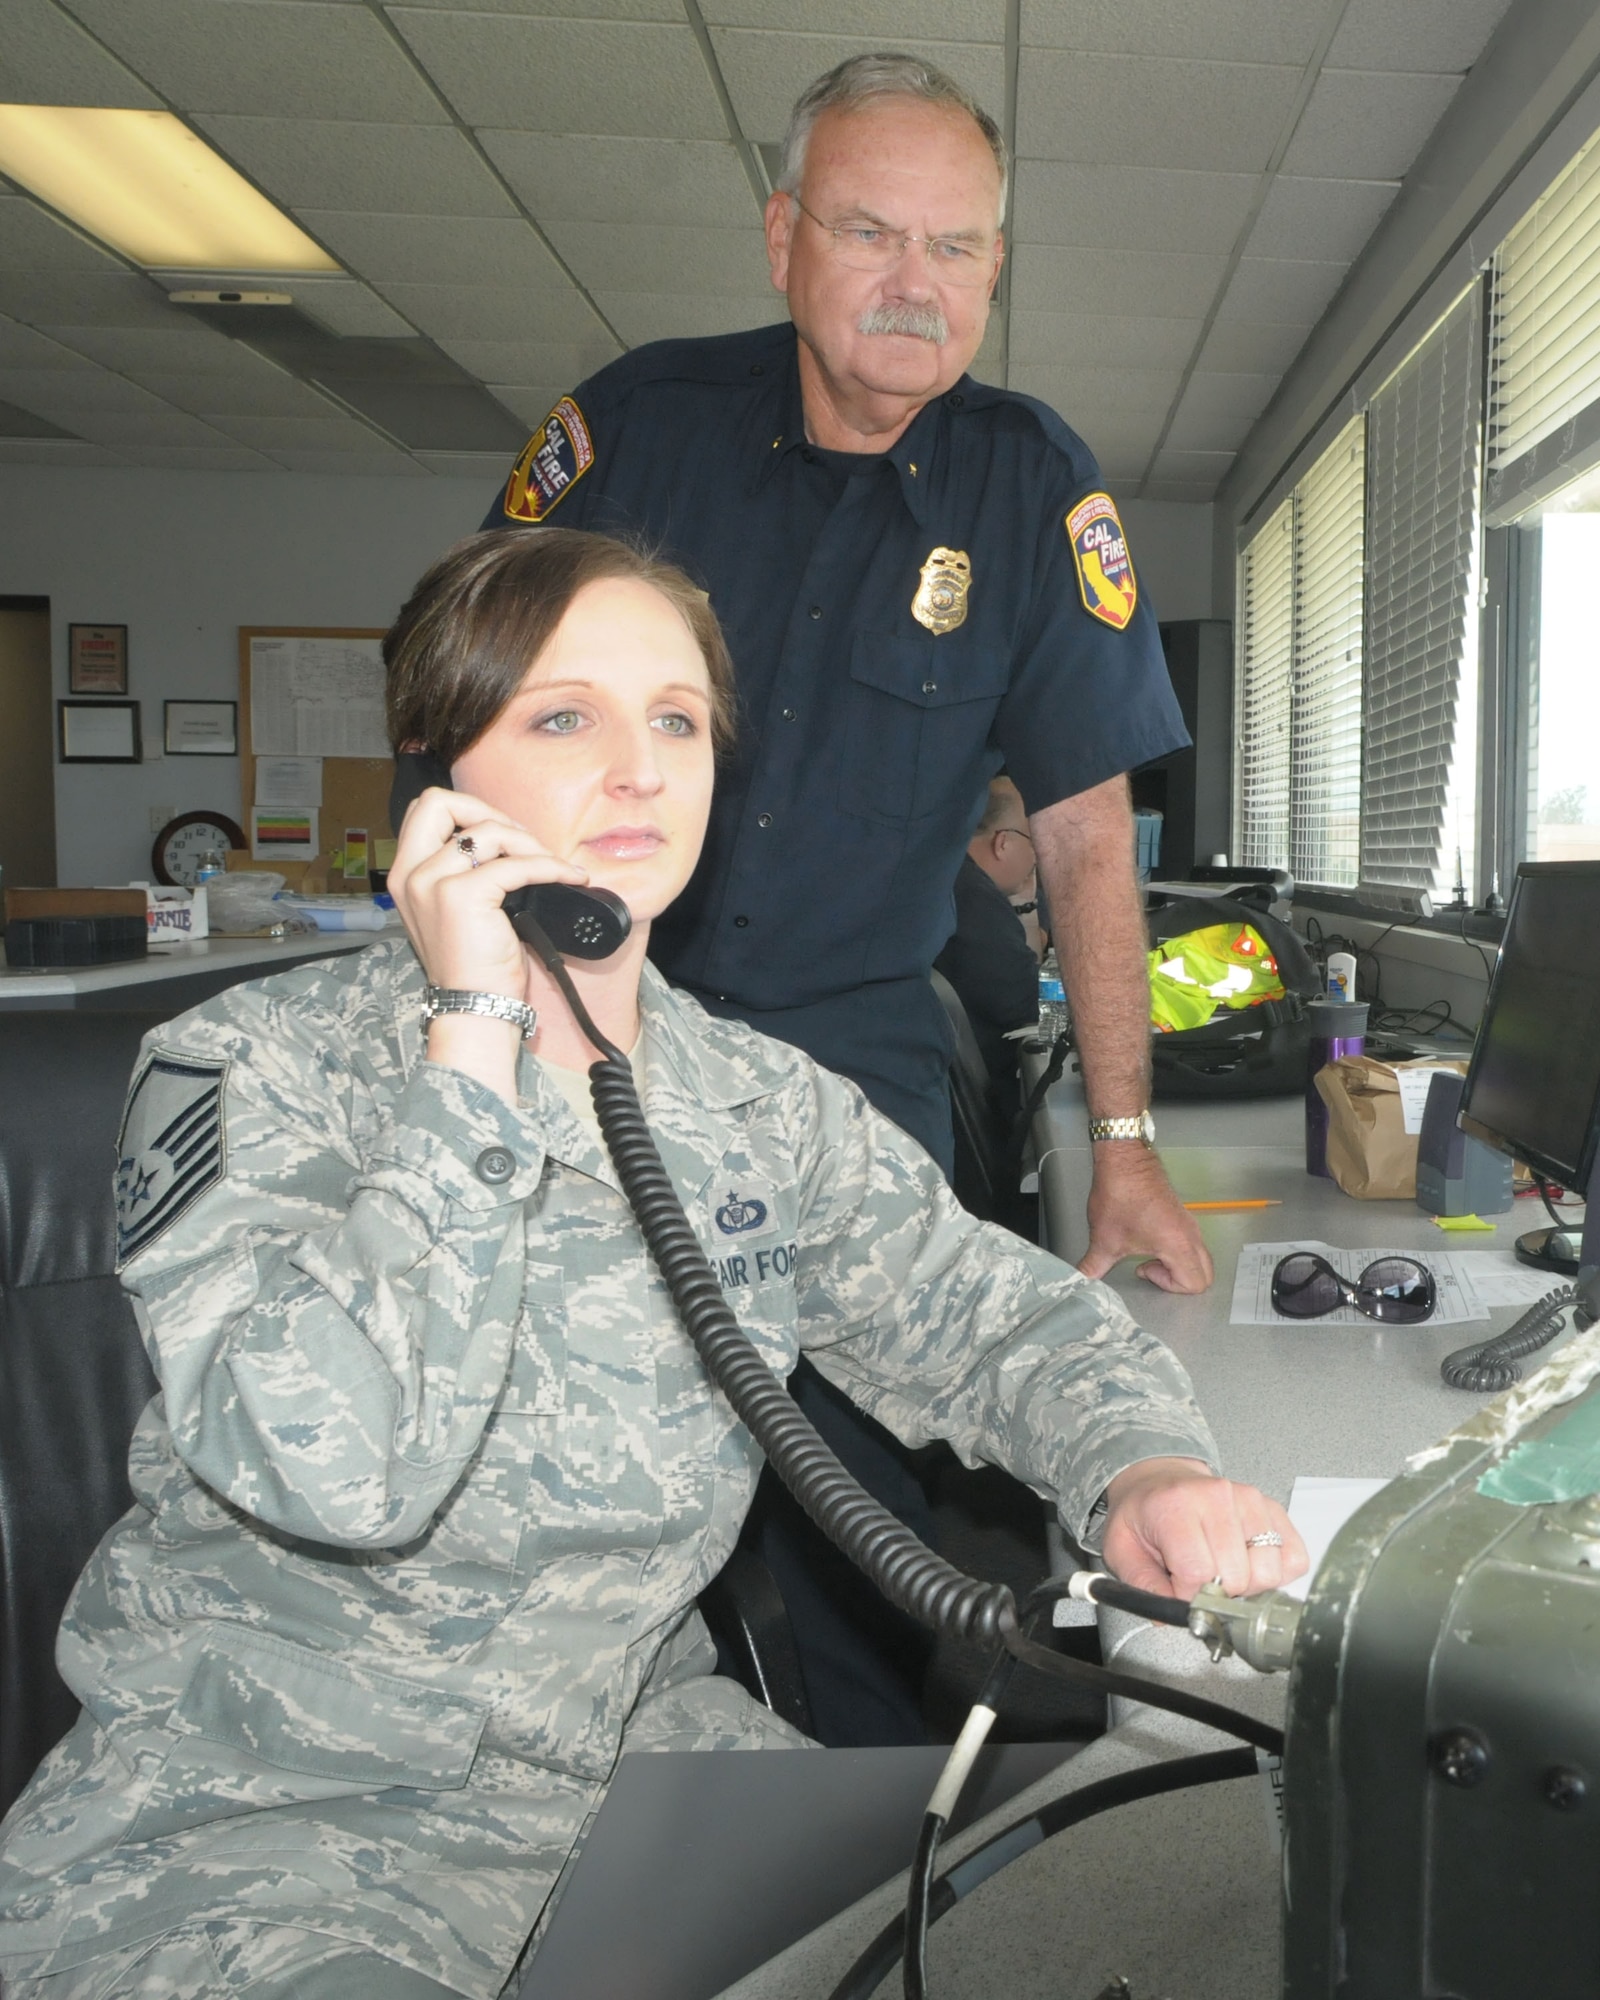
{"points": [[73, 1373]]}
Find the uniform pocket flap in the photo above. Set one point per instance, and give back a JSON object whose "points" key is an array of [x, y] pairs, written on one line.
{"points": [[927, 670], [327, 1718]]}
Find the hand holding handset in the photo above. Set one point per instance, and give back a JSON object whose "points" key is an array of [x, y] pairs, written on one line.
{"points": [[580, 923]]}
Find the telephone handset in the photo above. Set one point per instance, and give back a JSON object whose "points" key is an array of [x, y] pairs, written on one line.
{"points": [[580, 923]]}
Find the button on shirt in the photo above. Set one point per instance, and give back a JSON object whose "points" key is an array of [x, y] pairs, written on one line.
{"points": [[866, 741]]}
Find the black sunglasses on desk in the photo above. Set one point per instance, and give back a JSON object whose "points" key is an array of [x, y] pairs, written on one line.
{"points": [[1397, 1290]]}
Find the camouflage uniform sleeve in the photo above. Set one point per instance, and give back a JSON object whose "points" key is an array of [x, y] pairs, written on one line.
{"points": [[941, 1326], [331, 1315]]}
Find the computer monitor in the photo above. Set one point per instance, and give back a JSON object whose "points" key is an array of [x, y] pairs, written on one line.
{"points": [[1533, 1085]]}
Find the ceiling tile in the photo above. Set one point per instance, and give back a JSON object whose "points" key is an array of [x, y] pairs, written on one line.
{"points": [[1212, 30], [893, 23], [114, 298], [1320, 220], [1361, 125], [345, 306], [191, 458], [1131, 209], [221, 397], [578, 177], [32, 239], [21, 347], [1438, 35], [1070, 338], [1138, 396], [1200, 466], [635, 257], [1217, 411], [567, 362], [64, 451], [64, 393], [308, 60], [1074, 281], [46, 58], [132, 433], [1133, 111], [374, 169], [495, 312], [1252, 347], [544, 10], [642, 316], [524, 75], [1277, 289], [352, 464], [187, 345], [329, 432], [531, 403], [1187, 493], [766, 72], [438, 249]]}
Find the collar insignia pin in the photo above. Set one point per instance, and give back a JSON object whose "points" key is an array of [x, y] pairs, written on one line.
{"points": [[941, 600]]}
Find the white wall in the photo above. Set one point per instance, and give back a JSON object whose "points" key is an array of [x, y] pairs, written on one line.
{"points": [[183, 559]]}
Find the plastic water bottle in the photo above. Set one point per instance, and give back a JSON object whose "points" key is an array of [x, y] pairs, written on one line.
{"points": [[211, 866], [1054, 1018]]}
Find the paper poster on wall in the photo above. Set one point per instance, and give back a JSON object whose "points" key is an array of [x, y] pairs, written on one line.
{"points": [[283, 833], [288, 781], [317, 698]]}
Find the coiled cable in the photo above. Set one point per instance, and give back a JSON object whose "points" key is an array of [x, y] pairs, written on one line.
{"points": [[1489, 1366]]}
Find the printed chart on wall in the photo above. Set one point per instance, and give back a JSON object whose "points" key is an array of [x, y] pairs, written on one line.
{"points": [[316, 768]]}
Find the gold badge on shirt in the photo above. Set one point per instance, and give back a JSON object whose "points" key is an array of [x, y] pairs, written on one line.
{"points": [[941, 599]]}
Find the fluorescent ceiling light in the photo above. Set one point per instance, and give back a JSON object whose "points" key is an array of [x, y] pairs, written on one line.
{"points": [[144, 183]]}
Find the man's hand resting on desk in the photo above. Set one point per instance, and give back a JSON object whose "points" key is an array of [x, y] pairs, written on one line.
{"points": [[1172, 1526], [1134, 1212]]}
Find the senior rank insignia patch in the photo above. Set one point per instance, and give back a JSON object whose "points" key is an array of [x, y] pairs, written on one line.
{"points": [[170, 1149], [1105, 570], [555, 458], [941, 599]]}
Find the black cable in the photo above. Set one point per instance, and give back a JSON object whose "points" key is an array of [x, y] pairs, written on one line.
{"points": [[1489, 1366], [1120, 1596], [1060, 1049], [877, 1961], [916, 1920], [1549, 1205], [1154, 1694]]}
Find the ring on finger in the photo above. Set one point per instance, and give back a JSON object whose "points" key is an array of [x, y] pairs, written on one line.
{"points": [[1269, 1538], [465, 844]]}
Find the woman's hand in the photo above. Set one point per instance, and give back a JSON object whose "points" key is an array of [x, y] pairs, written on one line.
{"points": [[456, 862], [1173, 1527]]}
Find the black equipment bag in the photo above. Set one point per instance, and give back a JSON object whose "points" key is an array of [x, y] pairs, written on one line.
{"points": [[1259, 1051]]}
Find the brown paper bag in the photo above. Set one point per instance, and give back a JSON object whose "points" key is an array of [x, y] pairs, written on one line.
{"points": [[1370, 1153]]}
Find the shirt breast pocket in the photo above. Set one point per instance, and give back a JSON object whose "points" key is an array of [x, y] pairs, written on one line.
{"points": [[917, 721]]}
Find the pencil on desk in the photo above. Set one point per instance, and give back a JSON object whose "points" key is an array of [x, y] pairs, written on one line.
{"points": [[1213, 1206]]}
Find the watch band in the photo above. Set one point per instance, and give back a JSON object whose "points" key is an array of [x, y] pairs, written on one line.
{"points": [[437, 1000], [1140, 1126]]}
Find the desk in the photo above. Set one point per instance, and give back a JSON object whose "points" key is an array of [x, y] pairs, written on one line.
{"points": [[171, 979], [1181, 1893]]}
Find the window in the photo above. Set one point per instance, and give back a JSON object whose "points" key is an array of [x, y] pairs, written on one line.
{"points": [[1298, 676]]}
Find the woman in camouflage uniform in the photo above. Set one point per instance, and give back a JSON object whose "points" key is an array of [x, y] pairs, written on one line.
{"points": [[435, 1477]]}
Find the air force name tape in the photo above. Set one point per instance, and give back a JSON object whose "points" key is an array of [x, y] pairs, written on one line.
{"points": [[171, 1147], [554, 459], [1105, 571]]}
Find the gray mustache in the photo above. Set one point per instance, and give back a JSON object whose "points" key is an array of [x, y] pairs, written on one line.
{"points": [[920, 322]]}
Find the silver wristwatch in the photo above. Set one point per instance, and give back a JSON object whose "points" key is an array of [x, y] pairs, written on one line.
{"points": [[437, 1000], [1142, 1127]]}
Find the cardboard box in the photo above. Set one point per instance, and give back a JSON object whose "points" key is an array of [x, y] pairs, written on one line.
{"points": [[176, 916]]}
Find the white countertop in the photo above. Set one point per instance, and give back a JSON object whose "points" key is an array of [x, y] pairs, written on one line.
{"points": [[249, 954]]}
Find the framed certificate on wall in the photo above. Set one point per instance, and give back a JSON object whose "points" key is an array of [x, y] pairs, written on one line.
{"points": [[98, 732], [97, 659]]}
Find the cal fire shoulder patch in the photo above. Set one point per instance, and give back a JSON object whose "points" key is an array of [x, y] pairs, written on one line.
{"points": [[554, 459], [1105, 570], [171, 1148]]}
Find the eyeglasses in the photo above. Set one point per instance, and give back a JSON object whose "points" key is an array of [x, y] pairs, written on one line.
{"points": [[1397, 1290], [1016, 833], [868, 246]]}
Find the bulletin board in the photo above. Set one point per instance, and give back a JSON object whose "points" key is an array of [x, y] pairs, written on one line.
{"points": [[355, 790]]}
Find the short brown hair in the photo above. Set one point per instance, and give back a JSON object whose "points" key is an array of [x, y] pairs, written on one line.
{"points": [[467, 635]]}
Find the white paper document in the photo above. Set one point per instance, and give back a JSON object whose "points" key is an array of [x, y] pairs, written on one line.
{"points": [[1319, 1508], [288, 781], [1501, 1281], [1458, 1300], [317, 698], [1414, 1087]]}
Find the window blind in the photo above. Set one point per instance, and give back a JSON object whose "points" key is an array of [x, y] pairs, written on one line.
{"points": [[1263, 677], [1546, 334], [1424, 430], [1325, 735]]}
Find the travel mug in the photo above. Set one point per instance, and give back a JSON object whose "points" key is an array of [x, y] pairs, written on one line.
{"points": [[1338, 1028]]}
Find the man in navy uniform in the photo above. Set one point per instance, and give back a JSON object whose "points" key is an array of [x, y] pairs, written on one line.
{"points": [[921, 580]]}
